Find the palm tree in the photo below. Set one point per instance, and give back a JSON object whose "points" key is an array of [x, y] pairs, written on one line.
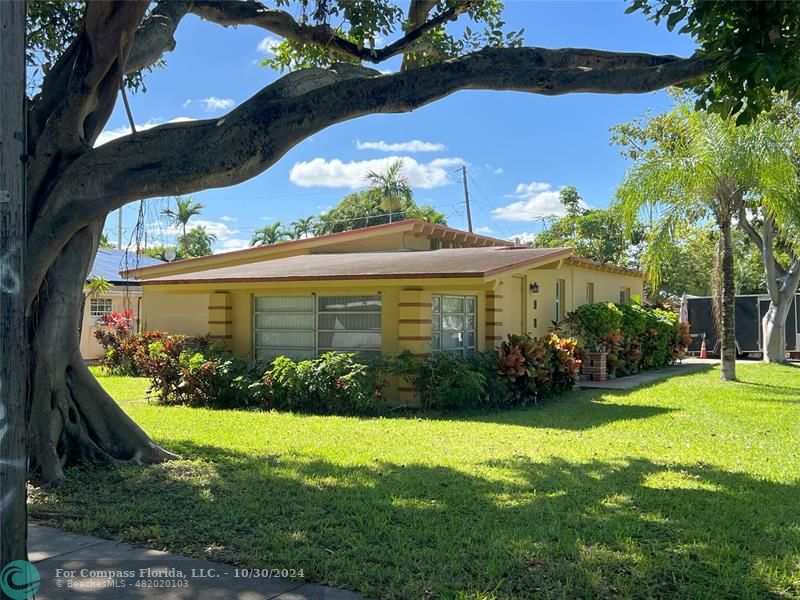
{"points": [[393, 187], [94, 288], [186, 208], [303, 227], [198, 242], [692, 166], [268, 235]]}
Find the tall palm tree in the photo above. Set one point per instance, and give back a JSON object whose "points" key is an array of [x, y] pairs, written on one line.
{"points": [[303, 227], [185, 209], [268, 235], [393, 186], [691, 166]]}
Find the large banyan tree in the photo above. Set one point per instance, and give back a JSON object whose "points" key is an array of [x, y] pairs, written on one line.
{"points": [[87, 53]]}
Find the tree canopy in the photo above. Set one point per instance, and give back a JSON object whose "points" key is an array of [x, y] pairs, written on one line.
{"points": [[366, 208]]}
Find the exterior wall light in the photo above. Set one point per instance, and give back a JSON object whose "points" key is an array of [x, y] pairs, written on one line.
{"points": [[534, 288]]}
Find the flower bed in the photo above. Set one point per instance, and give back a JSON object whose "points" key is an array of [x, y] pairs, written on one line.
{"points": [[200, 372]]}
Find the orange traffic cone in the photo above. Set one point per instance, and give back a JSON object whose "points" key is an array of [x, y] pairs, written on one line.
{"points": [[703, 350]]}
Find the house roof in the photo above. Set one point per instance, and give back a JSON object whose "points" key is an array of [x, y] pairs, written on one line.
{"points": [[588, 263], [253, 254], [109, 265], [409, 264]]}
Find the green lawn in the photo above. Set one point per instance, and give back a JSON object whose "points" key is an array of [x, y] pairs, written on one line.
{"points": [[689, 488]]}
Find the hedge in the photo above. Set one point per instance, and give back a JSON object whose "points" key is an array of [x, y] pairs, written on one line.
{"points": [[199, 372], [635, 337]]}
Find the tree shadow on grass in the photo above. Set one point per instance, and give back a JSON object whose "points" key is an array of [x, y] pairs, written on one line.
{"points": [[565, 412], [511, 529]]}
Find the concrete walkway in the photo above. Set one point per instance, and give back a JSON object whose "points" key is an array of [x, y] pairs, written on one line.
{"points": [[633, 381], [81, 566]]}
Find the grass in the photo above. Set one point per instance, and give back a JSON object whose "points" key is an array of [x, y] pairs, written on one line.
{"points": [[688, 488]]}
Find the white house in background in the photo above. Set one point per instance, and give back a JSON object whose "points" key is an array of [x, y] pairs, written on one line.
{"points": [[125, 294]]}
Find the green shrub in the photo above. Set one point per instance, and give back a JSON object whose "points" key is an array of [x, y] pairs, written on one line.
{"points": [[333, 383], [536, 369], [635, 337], [193, 372], [591, 324], [444, 381]]}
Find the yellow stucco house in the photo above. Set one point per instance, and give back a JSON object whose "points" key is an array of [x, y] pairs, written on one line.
{"points": [[408, 285]]}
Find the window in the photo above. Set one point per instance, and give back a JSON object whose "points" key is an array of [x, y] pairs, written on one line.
{"points": [[453, 323], [589, 293], [349, 323], [304, 326], [560, 289], [99, 308], [624, 295]]}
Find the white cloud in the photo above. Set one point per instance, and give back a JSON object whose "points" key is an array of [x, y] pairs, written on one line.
{"points": [[268, 44], [227, 236], [212, 103], [525, 189], [227, 219], [534, 201], [523, 238], [410, 146], [232, 244], [484, 230], [498, 171], [187, 103], [320, 172], [112, 134]]}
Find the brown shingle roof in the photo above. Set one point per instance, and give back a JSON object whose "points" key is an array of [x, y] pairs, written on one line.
{"points": [[456, 262], [433, 229]]}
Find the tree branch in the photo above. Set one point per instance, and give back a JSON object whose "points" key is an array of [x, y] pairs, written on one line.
{"points": [[76, 103], [155, 36], [179, 158], [791, 281], [773, 269]]}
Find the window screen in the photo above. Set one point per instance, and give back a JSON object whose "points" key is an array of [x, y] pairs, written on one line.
{"points": [[453, 326], [305, 326], [284, 325], [349, 323]]}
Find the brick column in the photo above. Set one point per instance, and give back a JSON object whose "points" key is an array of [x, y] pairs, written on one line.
{"points": [[413, 334], [220, 322], [494, 320]]}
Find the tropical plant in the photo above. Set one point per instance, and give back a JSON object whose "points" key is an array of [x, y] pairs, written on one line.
{"points": [[197, 242], [303, 227], [185, 209], [598, 234], [104, 242], [268, 235], [364, 209], [94, 288], [693, 166], [393, 187]]}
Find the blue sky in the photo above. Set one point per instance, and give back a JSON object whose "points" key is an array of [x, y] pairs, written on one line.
{"points": [[519, 148]]}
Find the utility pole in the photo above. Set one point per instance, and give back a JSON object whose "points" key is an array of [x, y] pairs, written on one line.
{"points": [[119, 229], [466, 198], [13, 327]]}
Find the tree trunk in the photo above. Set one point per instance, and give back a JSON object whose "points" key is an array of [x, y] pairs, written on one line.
{"points": [[13, 341], [773, 327], [72, 418], [727, 305]]}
